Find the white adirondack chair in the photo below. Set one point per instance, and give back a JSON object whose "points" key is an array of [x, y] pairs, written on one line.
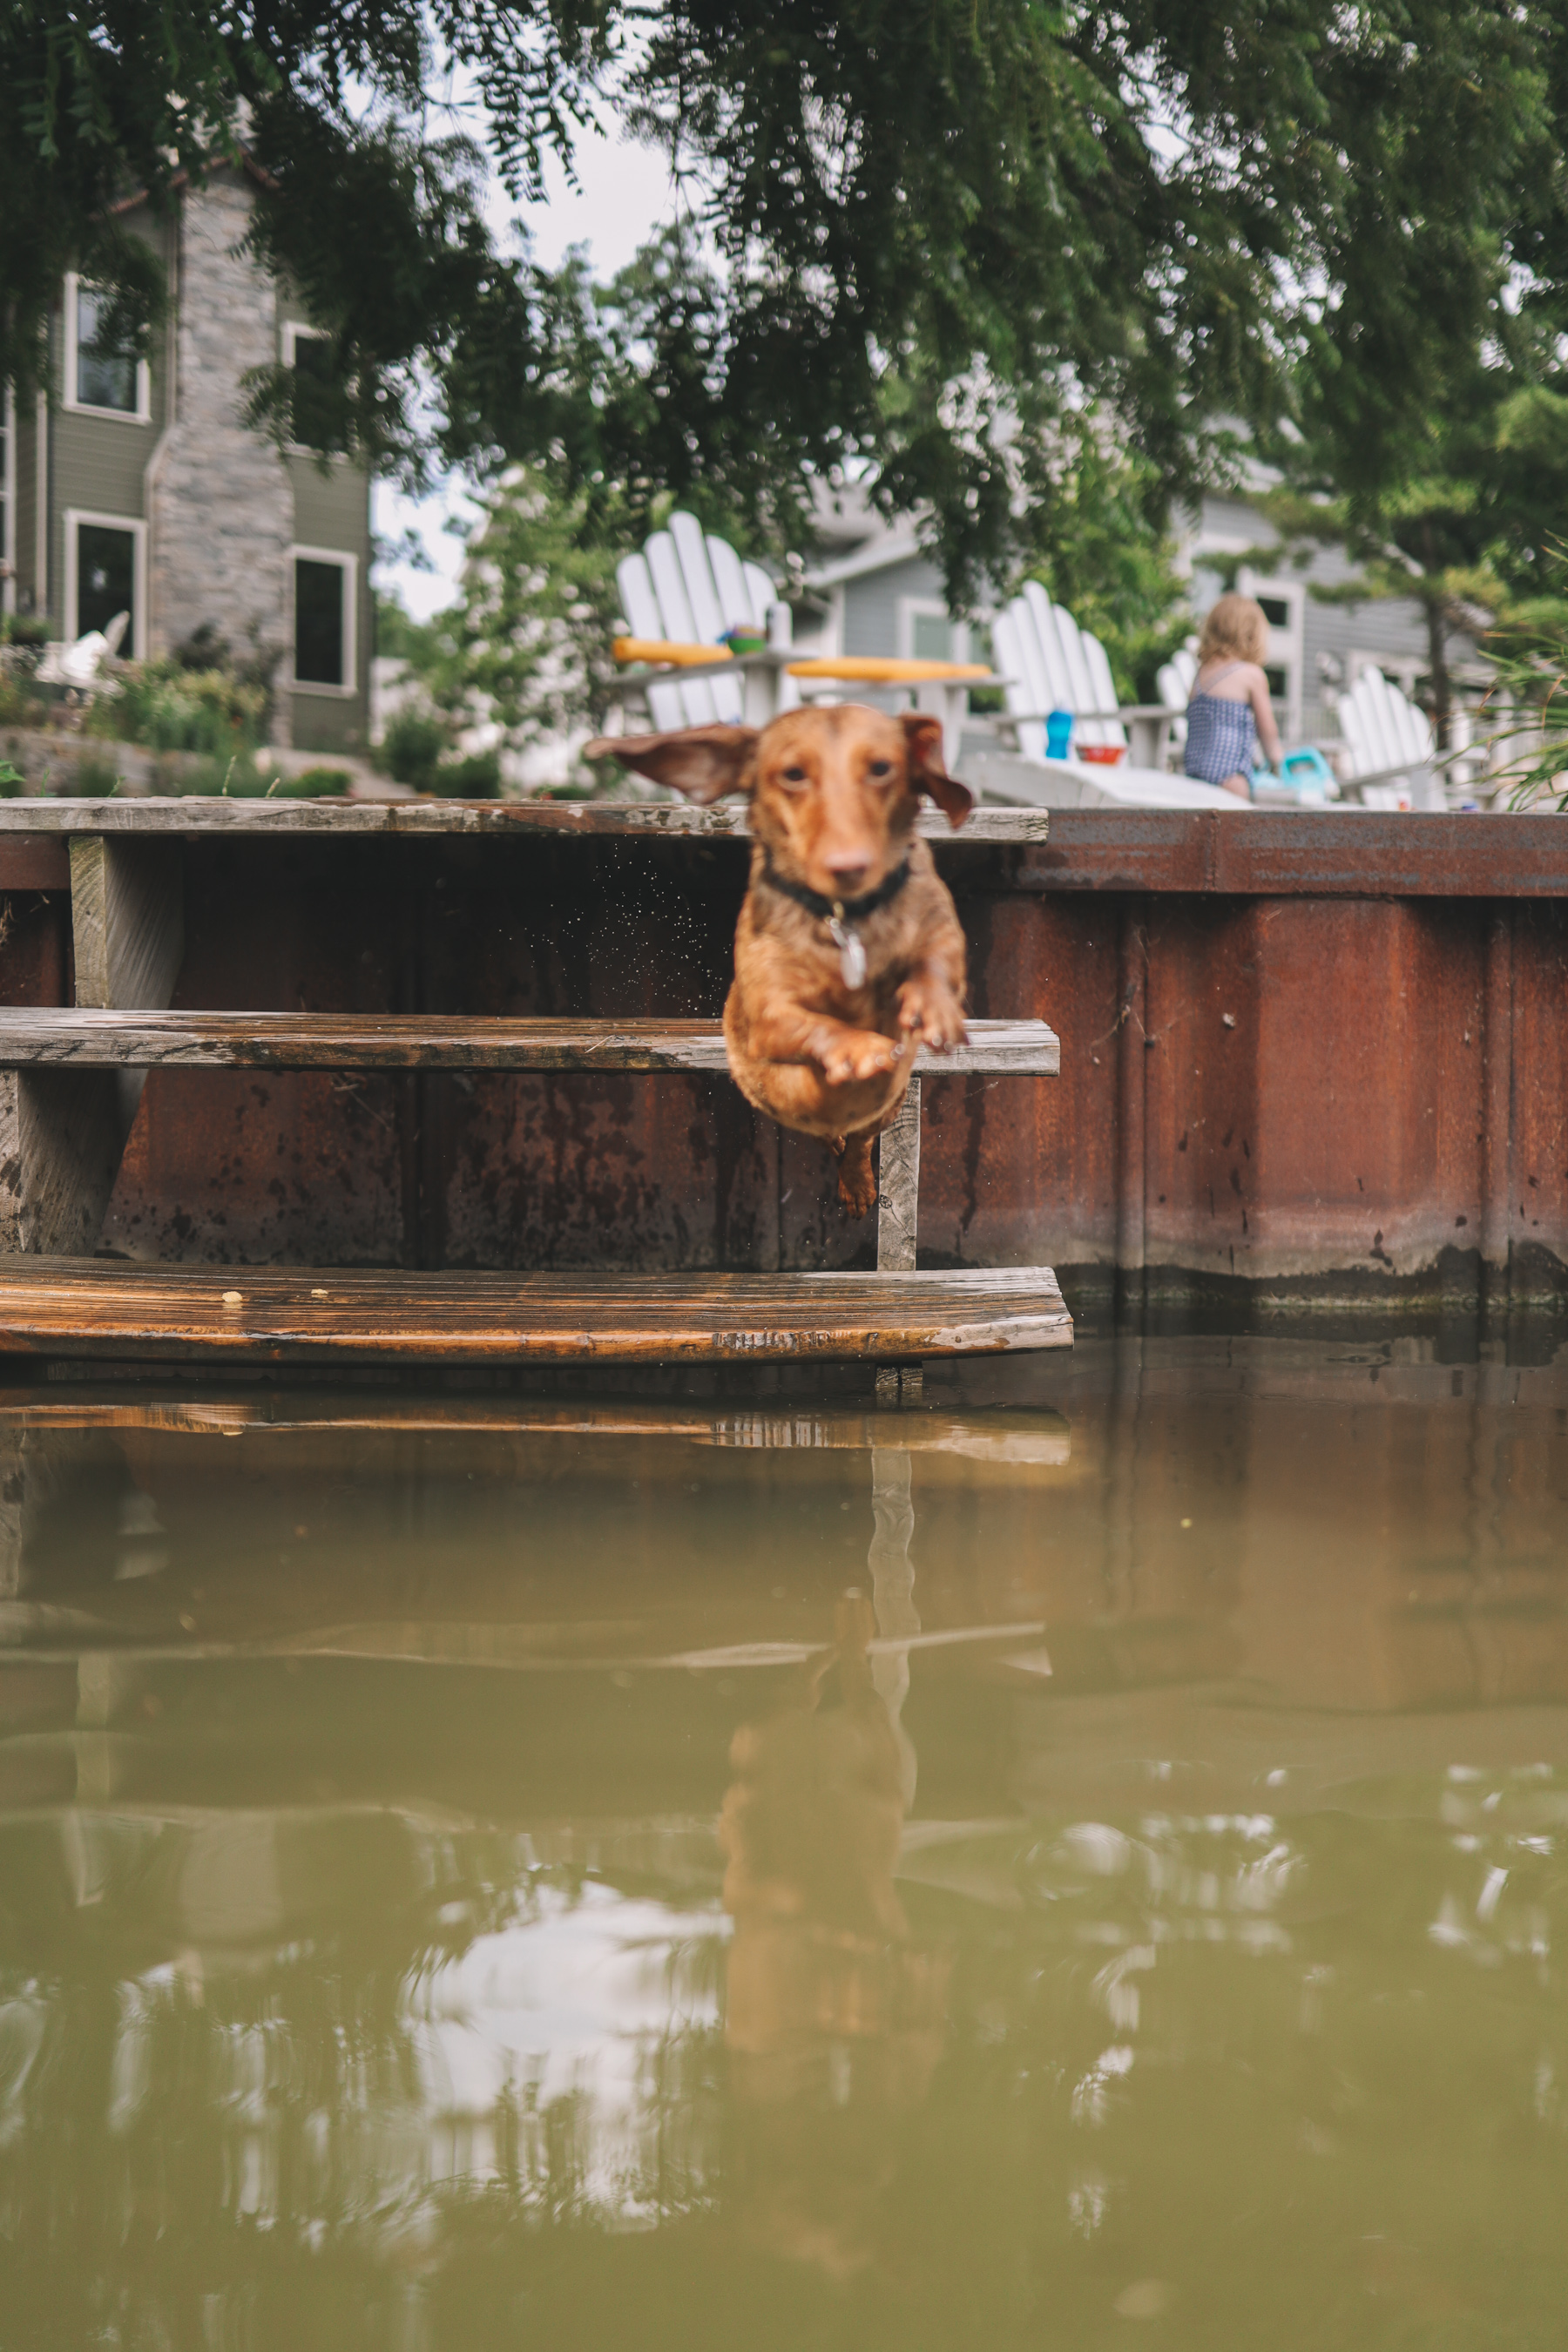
{"points": [[1390, 743], [1175, 680], [1051, 663], [687, 587]]}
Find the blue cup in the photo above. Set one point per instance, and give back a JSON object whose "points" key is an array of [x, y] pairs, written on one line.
{"points": [[1058, 735]]}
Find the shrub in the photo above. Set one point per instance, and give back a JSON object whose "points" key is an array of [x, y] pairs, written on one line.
{"points": [[412, 747], [17, 706], [170, 709], [23, 636], [475, 777], [12, 782], [28, 629]]}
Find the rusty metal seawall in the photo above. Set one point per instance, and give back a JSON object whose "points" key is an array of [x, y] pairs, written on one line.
{"points": [[1318, 1055]]}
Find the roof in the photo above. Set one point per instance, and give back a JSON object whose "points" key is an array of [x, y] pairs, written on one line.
{"points": [[253, 170]]}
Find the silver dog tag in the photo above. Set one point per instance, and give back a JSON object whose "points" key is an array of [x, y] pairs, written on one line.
{"points": [[851, 952]]}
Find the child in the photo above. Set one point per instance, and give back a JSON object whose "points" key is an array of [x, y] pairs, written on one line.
{"points": [[1230, 697]]}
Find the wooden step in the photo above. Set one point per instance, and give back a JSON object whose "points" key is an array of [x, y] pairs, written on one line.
{"points": [[87, 1038], [93, 1308], [490, 820]]}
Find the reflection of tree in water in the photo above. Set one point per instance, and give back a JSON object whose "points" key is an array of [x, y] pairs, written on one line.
{"points": [[265, 2126]]}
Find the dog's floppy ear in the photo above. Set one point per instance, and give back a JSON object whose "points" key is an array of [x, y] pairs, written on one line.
{"points": [[928, 771], [703, 763]]}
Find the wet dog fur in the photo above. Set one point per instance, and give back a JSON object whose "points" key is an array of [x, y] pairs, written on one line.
{"points": [[833, 797]]}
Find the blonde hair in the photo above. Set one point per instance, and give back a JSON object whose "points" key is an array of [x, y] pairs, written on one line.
{"points": [[1235, 628]]}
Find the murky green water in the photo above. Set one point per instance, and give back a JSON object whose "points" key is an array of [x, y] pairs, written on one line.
{"points": [[1082, 1865]]}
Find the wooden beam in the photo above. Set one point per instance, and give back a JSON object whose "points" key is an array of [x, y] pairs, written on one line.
{"points": [[104, 1310], [128, 921], [61, 1136], [88, 1038], [899, 1186], [588, 820]]}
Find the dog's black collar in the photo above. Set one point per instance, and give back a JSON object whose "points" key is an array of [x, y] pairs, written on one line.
{"points": [[836, 910]]}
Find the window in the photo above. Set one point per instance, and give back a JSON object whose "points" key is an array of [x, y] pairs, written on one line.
{"points": [[1276, 611], [102, 373], [324, 655], [927, 631], [318, 415], [932, 637], [106, 559]]}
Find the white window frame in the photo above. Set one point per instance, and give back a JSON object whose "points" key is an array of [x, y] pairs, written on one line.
{"points": [[929, 608], [8, 496], [142, 414], [350, 566], [133, 648], [297, 331], [1287, 646], [292, 332]]}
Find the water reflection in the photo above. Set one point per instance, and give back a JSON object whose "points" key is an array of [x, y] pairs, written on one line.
{"points": [[835, 2014], [669, 1877]]}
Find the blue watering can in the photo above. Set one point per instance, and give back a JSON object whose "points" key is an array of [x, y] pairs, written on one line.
{"points": [[1305, 773]]}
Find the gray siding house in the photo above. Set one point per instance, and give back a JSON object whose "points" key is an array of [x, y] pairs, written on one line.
{"points": [[876, 594], [135, 486]]}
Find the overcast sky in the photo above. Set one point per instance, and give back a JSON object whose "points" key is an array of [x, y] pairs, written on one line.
{"points": [[625, 193]]}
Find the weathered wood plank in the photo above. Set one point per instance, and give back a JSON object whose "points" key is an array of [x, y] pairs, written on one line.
{"points": [[899, 1186], [588, 819], [128, 921], [87, 1038], [61, 1135], [97, 1309]]}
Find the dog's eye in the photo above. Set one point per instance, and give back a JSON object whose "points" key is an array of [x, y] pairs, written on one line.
{"points": [[794, 776], [881, 768]]}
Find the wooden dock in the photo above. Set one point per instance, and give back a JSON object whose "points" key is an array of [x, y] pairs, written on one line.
{"points": [[70, 1077]]}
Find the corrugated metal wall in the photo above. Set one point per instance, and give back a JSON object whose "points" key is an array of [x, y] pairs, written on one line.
{"points": [[1320, 1057]]}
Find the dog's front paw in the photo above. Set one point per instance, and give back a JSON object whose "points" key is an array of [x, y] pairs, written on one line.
{"points": [[932, 1013], [858, 1054]]}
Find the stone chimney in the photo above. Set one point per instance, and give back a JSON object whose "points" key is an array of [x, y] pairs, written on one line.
{"points": [[220, 506]]}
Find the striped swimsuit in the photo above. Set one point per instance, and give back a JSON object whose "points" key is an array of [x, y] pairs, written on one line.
{"points": [[1219, 735]]}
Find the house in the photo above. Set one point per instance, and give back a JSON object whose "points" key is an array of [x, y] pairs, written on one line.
{"points": [[135, 486], [876, 592]]}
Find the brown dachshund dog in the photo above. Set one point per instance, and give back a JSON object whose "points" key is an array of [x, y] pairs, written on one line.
{"points": [[848, 950]]}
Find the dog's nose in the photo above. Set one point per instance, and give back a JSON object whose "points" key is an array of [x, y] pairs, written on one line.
{"points": [[849, 869]]}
